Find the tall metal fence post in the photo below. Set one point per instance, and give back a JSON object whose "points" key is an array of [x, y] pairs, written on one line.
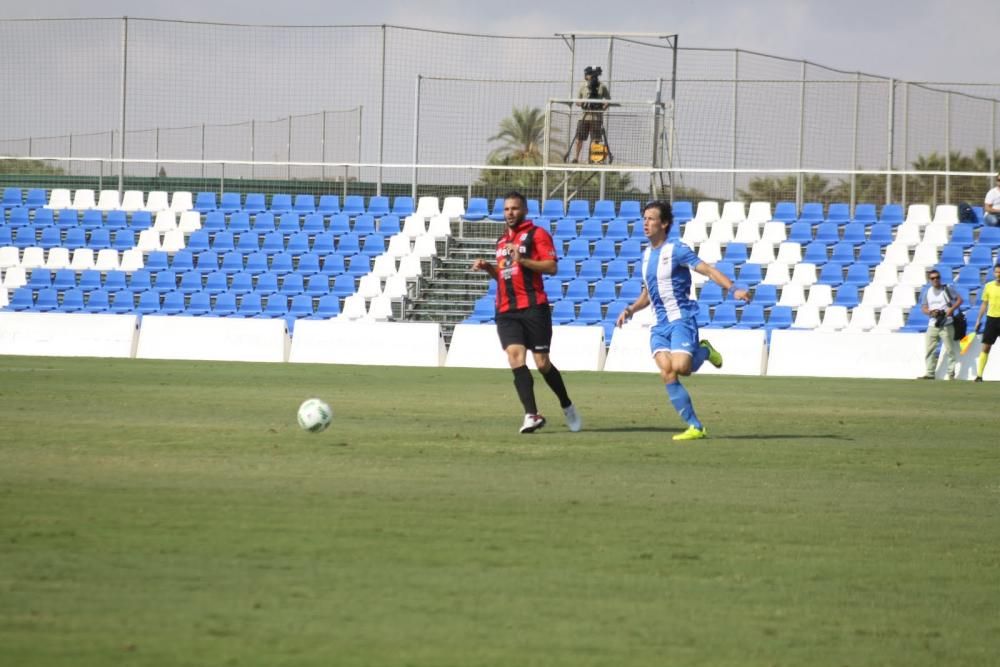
{"points": [[799, 194], [381, 122], [947, 149], [156, 154], [993, 139], [854, 142], [890, 125], [203, 150], [253, 149], [121, 147], [736, 78], [416, 137], [288, 149], [322, 169], [69, 167]]}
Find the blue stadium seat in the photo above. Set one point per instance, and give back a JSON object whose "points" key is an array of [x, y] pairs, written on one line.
{"points": [[710, 294], [263, 223], [785, 211], [23, 298], [98, 301], [630, 210], [63, 279], [314, 223], [683, 211], [736, 253], [11, 198], [199, 304], [856, 233], [281, 203], [564, 230], [255, 202], [230, 202], [273, 242], [815, 253], [256, 262], [289, 223], [589, 313], [617, 270], [591, 229], [140, 220], [750, 275], [46, 300], [19, 217], [205, 202], [765, 295], [847, 296], [50, 237], [604, 250], [378, 206], [190, 282], [865, 213], [577, 290], [248, 242], [630, 289], [630, 250], [344, 285], [216, 281], [92, 219], [301, 307], [250, 305], [120, 239], [780, 317], [962, 235], [90, 279], [317, 285], [298, 243], [323, 243], [800, 232], [76, 237], [149, 302], [223, 242], [304, 203], [812, 212], [242, 283], [477, 209], [969, 277], [358, 265], [828, 232], [577, 250], [24, 237], [164, 280], [282, 263], [121, 301], [553, 208], [952, 255], [605, 291], [67, 217], [618, 230], [40, 279], [402, 206], [839, 212], [308, 263], [333, 264], [44, 217], [364, 224], [831, 274], [266, 283], [916, 320], [36, 198], [328, 307], [497, 213], [842, 253], [213, 221], [277, 306], [892, 214], [354, 205], [389, 225], [604, 209], [232, 261], [981, 256], [225, 305], [328, 204], [173, 303], [349, 244], [989, 237], [752, 317], [578, 209], [858, 274], [563, 312], [115, 281], [724, 316]]}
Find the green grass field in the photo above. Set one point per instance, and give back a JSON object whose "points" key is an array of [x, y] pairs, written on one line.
{"points": [[166, 513]]}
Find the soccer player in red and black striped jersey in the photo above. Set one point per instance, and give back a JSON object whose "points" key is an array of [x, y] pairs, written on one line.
{"points": [[523, 316]]}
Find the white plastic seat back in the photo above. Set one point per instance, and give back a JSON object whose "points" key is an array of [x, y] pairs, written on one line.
{"points": [[108, 200], [84, 199]]}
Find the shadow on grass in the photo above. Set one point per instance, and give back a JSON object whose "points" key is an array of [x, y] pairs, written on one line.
{"points": [[713, 436]]}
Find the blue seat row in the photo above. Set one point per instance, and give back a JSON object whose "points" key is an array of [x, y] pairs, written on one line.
{"points": [[256, 202], [216, 221], [371, 244], [551, 209], [70, 218]]}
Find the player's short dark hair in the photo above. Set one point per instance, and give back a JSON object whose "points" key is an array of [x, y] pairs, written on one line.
{"points": [[514, 194], [666, 212]]}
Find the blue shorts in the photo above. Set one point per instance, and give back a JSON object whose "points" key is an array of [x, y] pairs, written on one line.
{"points": [[680, 336]]}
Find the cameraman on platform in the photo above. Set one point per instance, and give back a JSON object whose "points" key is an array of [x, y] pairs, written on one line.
{"points": [[593, 112]]}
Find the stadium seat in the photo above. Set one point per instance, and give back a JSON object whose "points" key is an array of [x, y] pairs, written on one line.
{"points": [[724, 316], [199, 304], [225, 305], [800, 232], [780, 317], [563, 312], [752, 317], [304, 203], [865, 213], [765, 295], [828, 232], [553, 208], [839, 213], [477, 209], [785, 211], [282, 263], [453, 208], [328, 205], [317, 285], [402, 206]]}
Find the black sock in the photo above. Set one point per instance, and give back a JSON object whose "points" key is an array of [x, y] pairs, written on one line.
{"points": [[525, 385], [554, 379]]}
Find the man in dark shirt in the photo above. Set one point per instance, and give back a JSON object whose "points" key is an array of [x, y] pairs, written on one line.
{"points": [[523, 315]]}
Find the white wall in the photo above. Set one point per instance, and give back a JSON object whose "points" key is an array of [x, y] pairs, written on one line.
{"points": [[212, 339], [844, 354], [573, 348], [743, 351], [67, 335], [339, 341]]}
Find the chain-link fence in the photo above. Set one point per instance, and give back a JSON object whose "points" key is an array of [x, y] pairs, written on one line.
{"points": [[391, 110]]}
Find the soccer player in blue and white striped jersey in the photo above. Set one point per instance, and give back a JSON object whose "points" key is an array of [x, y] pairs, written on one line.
{"points": [[666, 286]]}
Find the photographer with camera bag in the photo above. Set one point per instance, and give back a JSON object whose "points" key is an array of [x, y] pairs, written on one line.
{"points": [[940, 303], [592, 123]]}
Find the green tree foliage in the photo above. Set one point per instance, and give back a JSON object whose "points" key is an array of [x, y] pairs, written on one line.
{"points": [[775, 189], [522, 140], [32, 167]]}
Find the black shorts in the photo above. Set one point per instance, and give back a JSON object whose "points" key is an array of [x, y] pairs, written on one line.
{"points": [[530, 327], [991, 330], [587, 127]]}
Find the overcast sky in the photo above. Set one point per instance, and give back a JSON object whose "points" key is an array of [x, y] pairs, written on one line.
{"points": [[919, 40]]}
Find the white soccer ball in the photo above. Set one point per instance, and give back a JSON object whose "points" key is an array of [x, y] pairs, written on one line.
{"points": [[315, 415]]}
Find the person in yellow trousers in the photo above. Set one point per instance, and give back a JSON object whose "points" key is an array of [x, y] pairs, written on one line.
{"points": [[990, 307]]}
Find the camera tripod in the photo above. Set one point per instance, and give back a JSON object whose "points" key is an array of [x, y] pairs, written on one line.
{"points": [[598, 151]]}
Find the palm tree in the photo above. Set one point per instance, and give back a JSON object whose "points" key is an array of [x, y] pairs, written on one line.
{"points": [[523, 136]]}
